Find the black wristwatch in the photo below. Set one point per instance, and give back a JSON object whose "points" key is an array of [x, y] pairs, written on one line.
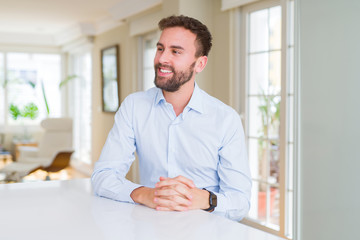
{"points": [[212, 201]]}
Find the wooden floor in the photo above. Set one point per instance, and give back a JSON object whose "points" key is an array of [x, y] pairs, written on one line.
{"points": [[39, 175], [65, 174]]}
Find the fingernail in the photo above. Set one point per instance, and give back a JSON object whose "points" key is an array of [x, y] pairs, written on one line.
{"points": [[155, 199], [156, 193]]}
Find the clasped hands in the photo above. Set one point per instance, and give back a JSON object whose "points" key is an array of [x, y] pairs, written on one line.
{"points": [[172, 194]]}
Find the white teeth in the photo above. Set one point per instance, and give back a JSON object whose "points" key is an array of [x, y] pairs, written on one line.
{"points": [[164, 71]]}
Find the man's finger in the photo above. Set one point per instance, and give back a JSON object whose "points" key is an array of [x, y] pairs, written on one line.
{"points": [[163, 178], [172, 201], [179, 179], [167, 182], [179, 187], [174, 190], [182, 179], [186, 181], [166, 191]]}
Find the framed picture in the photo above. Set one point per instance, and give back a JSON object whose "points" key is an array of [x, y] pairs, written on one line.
{"points": [[110, 79]]}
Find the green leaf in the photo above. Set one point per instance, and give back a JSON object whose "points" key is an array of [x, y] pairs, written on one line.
{"points": [[14, 111], [44, 95], [4, 83], [66, 80], [30, 111], [33, 85]]}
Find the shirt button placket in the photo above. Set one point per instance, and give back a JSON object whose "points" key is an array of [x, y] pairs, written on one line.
{"points": [[171, 157]]}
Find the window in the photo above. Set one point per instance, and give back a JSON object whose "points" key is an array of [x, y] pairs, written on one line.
{"points": [[80, 106], [2, 88], [29, 78], [268, 102], [147, 50]]}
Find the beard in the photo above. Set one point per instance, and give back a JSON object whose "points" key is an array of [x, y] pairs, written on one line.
{"points": [[178, 79]]}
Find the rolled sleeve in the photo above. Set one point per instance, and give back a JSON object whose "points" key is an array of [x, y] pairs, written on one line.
{"points": [[234, 174], [107, 184], [108, 178]]}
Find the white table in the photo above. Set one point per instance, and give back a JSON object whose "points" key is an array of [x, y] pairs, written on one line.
{"points": [[68, 210]]}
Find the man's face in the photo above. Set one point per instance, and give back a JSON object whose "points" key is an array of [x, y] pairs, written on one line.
{"points": [[175, 58]]}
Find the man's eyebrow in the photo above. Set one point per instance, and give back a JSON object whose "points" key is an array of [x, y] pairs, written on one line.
{"points": [[177, 47], [172, 46]]}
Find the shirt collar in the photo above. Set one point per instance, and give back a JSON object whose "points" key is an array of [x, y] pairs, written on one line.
{"points": [[159, 96], [195, 102]]}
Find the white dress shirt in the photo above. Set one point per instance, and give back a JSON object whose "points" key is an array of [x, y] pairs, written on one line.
{"points": [[205, 143]]}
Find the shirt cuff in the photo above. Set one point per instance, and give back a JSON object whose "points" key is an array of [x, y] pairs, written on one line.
{"points": [[222, 202], [127, 189]]}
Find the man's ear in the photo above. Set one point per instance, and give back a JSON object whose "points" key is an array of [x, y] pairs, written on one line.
{"points": [[200, 63]]}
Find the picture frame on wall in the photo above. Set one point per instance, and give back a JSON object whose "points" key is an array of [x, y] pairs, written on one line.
{"points": [[110, 78]]}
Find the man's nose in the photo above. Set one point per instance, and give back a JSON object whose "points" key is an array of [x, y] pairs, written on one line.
{"points": [[164, 57]]}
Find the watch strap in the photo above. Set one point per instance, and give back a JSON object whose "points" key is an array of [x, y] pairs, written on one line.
{"points": [[212, 201]]}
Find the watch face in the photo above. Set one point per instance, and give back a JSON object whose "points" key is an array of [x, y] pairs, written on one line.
{"points": [[213, 200]]}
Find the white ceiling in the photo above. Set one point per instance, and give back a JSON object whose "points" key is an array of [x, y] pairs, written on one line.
{"points": [[51, 20], [50, 16]]}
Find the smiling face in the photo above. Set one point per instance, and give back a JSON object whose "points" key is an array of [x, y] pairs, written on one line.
{"points": [[175, 61]]}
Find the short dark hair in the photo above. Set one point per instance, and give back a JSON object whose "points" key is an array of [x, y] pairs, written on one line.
{"points": [[203, 36]]}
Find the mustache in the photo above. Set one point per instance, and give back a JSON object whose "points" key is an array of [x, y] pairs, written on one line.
{"points": [[159, 65]]}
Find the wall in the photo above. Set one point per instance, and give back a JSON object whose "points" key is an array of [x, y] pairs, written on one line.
{"points": [[103, 122], [221, 54], [329, 123]]}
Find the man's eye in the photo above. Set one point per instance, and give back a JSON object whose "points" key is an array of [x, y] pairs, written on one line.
{"points": [[176, 52], [160, 49]]}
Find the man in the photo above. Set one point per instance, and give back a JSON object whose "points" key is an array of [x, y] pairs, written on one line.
{"points": [[190, 145]]}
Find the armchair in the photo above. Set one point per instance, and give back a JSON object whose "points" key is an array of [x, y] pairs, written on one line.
{"points": [[52, 154]]}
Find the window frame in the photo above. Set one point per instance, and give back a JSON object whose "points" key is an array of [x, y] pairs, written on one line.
{"points": [[141, 47], [238, 99], [75, 59]]}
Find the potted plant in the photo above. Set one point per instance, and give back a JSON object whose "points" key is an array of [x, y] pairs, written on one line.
{"points": [[269, 109]]}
